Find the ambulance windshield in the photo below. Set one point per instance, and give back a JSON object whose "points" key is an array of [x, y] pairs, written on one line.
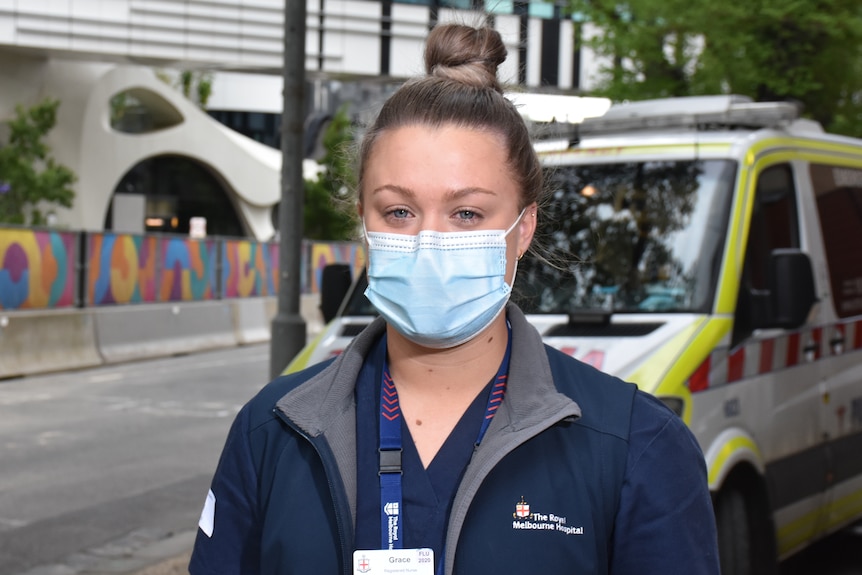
{"points": [[630, 237]]}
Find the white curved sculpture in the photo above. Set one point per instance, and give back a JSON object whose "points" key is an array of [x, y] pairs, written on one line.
{"points": [[84, 140]]}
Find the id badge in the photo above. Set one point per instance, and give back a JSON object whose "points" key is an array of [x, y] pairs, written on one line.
{"points": [[393, 562]]}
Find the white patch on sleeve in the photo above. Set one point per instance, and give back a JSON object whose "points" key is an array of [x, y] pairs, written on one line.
{"points": [[208, 515]]}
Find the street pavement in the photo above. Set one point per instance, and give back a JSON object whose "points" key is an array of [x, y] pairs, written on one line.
{"points": [[104, 471]]}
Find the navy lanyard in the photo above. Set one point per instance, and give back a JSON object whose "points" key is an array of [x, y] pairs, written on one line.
{"points": [[391, 525]]}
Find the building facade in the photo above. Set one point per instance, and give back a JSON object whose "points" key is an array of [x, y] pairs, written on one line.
{"points": [[135, 142]]}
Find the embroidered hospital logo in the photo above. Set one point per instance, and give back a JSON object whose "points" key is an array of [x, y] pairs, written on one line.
{"points": [[527, 520], [522, 509]]}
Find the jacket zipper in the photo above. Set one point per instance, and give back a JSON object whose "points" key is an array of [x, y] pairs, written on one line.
{"points": [[334, 493]]}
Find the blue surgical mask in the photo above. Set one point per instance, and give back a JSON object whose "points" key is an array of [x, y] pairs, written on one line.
{"points": [[439, 289]]}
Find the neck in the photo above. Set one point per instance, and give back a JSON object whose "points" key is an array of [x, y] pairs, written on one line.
{"points": [[435, 386], [466, 367]]}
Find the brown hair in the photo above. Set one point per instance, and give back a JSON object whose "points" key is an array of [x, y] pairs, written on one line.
{"points": [[461, 88]]}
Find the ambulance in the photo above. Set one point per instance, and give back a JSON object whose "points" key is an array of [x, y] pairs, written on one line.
{"points": [[708, 249]]}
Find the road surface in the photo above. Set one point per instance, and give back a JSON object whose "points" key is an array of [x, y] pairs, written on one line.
{"points": [[105, 470]]}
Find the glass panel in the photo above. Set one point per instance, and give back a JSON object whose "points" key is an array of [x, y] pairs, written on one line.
{"points": [[542, 10], [141, 111], [462, 4], [501, 7], [630, 237], [839, 205]]}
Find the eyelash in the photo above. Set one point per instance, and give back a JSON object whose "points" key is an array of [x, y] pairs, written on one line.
{"points": [[467, 216], [392, 213]]}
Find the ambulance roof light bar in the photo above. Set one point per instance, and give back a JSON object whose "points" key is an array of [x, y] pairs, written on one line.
{"points": [[541, 108], [693, 112]]}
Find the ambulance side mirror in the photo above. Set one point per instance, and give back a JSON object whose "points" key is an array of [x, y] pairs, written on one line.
{"points": [[334, 284], [791, 287]]}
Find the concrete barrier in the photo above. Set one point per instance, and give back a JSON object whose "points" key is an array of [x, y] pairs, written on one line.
{"points": [[252, 319], [46, 340], [309, 309], [56, 340], [125, 333]]}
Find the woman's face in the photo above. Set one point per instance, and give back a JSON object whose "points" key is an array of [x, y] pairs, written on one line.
{"points": [[447, 179]]}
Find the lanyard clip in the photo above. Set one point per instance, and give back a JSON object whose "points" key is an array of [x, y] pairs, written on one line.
{"points": [[390, 461]]}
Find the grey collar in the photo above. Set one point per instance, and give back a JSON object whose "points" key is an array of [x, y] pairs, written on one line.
{"points": [[325, 405]]}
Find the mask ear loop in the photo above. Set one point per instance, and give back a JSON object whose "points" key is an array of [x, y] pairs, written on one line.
{"points": [[520, 255], [517, 221], [512, 227]]}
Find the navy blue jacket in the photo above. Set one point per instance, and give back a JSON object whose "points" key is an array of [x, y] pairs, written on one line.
{"points": [[579, 473]]}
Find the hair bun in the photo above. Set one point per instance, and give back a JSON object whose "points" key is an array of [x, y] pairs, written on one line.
{"points": [[465, 54]]}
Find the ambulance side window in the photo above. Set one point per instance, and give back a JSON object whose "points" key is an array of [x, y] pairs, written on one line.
{"points": [[774, 224], [839, 204]]}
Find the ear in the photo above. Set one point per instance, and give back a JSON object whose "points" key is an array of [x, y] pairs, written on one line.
{"points": [[526, 228]]}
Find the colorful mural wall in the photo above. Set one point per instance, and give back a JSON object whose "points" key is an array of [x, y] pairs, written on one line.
{"points": [[319, 254], [249, 268], [125, 268], [121, 269], [37, 269], [40, 269], [188, 269]]}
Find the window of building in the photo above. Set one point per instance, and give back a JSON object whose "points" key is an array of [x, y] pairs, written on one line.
{"points": [[547, 9], [259, 126], [141, 111]]}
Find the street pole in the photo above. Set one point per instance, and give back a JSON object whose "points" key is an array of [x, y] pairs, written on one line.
{"points": [[288, 326]]}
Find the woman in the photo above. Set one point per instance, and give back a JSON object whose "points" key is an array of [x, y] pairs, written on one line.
{"points": [[447, 438]]}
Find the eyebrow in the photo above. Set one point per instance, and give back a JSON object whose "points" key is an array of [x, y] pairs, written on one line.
{"points": [[450, 195]]}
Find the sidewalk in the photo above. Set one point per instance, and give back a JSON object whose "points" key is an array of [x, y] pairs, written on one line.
{"points": [[139, 553], [174, 566], [166, 556]]}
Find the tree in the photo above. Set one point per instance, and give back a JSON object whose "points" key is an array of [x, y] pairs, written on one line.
{"points": [[30, 179], [797, 50], [327, 215], [648, 44]]}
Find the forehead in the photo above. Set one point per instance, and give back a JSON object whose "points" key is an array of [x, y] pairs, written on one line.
{"points": [[424, 158]]}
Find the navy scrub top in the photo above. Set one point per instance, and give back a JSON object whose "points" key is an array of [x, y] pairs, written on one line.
{"points": [[427, 493]]}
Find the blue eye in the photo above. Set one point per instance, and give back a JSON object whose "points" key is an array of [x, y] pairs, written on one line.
{"points": [[466, 215], [399, 213]]}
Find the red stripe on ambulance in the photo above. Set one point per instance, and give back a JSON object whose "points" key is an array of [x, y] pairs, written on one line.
{"points": [[736, 362], [792, 350], [724, 366], [767, 347]]}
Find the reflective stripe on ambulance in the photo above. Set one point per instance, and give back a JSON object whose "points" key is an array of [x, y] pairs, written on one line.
{"points": [[725, 366]]}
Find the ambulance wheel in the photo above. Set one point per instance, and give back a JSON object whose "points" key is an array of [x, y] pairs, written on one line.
{"points": [[734, 532]]}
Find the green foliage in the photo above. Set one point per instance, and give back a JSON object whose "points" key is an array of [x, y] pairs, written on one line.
{"points": [[802, 50], [30, 179], [204, 88], [328, 214], [196, 85]]}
